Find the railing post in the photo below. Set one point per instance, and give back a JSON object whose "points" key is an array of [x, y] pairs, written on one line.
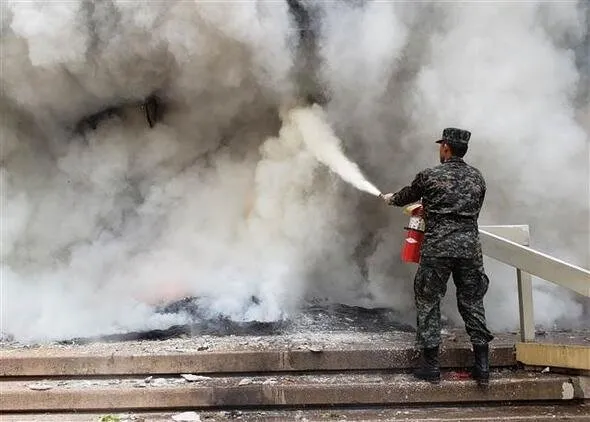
{"points": [[525, 306]]}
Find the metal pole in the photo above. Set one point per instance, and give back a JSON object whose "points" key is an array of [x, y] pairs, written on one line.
{"points": [[525, 306]]}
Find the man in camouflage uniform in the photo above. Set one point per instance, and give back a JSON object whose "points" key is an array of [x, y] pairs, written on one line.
{"points": [[452, 195]]}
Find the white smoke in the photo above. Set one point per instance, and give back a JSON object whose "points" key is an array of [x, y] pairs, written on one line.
{"points": [[326, 147], [223, 200]]}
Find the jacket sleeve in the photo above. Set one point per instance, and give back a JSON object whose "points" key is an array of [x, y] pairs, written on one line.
{"points": [[482, 196], [411, 193]]}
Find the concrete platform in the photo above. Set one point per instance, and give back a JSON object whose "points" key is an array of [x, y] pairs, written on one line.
{"points": [[207, 355], [528, 413], [285, 390], [570, 356]]}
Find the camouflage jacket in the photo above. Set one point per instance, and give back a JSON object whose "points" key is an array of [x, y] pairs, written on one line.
{"points": [[452, 194]]}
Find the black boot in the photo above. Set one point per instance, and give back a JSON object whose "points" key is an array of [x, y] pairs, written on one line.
{"points": [[429, 369], [481, 367]]}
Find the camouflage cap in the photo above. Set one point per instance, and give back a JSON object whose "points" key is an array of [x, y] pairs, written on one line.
{"points": [[455, 136]]}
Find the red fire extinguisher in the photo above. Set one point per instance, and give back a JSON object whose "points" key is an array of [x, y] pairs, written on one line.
{"points": [[415, 235]]}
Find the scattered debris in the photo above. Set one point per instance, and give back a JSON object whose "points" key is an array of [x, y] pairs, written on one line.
{"points": [[544, 371], [125, 417], [233, 414], [202, 347], [158, 382], [245, 381], [186, 417], [40, 386], [194, 378], [270, 381], [110, 418], [459, 375], [152, 109]]}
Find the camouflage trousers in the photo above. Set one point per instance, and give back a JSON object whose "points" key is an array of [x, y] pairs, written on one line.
{"points": [[430, 286]]}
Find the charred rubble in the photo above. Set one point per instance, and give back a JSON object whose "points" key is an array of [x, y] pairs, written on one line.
{"points": [[151, 107], [315, 315]]}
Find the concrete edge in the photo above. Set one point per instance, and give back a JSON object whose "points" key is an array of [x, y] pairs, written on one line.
{"points": [[70, 364], [513, 413], [228, 394]]}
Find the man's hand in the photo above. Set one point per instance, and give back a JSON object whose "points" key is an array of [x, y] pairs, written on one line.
{"points": [[386, 197]]}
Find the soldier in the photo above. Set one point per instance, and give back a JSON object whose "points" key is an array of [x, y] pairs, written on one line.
{"points": [[452, 194]]}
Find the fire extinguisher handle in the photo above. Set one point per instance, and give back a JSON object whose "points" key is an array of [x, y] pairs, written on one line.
{"points": [[413, 209]]}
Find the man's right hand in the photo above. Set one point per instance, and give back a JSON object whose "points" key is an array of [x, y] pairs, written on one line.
{"points": [[386, 197]]}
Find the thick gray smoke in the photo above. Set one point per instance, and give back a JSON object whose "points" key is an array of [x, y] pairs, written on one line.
{"points": [[143, 157]]}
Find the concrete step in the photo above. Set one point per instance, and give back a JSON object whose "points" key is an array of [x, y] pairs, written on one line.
{"points": [[320, 352], [284, 390], [509, 413]]}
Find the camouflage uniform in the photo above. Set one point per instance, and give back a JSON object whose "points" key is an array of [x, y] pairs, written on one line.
{"points": [[452, 195]]}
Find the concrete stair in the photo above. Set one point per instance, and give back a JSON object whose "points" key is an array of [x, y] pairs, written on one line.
{"points": [[327, 377], [283, 390]]}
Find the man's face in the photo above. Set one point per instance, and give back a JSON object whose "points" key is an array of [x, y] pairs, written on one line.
{"points": [[441, 152], [444, 152]]}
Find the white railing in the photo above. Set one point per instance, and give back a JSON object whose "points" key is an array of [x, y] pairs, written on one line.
{"points": [[509, 244]]}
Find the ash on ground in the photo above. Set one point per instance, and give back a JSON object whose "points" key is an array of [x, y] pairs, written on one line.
{"points": [[315, 315]]}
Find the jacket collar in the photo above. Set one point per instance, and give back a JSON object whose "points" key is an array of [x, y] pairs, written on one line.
{"points": [[454, 160]]}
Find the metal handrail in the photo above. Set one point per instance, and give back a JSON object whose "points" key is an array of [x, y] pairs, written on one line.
{"points": [[509, 244], [536, 263]]}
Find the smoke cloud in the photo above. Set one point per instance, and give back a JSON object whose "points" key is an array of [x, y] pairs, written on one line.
{"points": [[152, 150], [326, 147]]}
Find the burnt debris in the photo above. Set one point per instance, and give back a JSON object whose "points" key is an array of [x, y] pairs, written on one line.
{"points": [[314, 316], [91, 122], [152, 108]]}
